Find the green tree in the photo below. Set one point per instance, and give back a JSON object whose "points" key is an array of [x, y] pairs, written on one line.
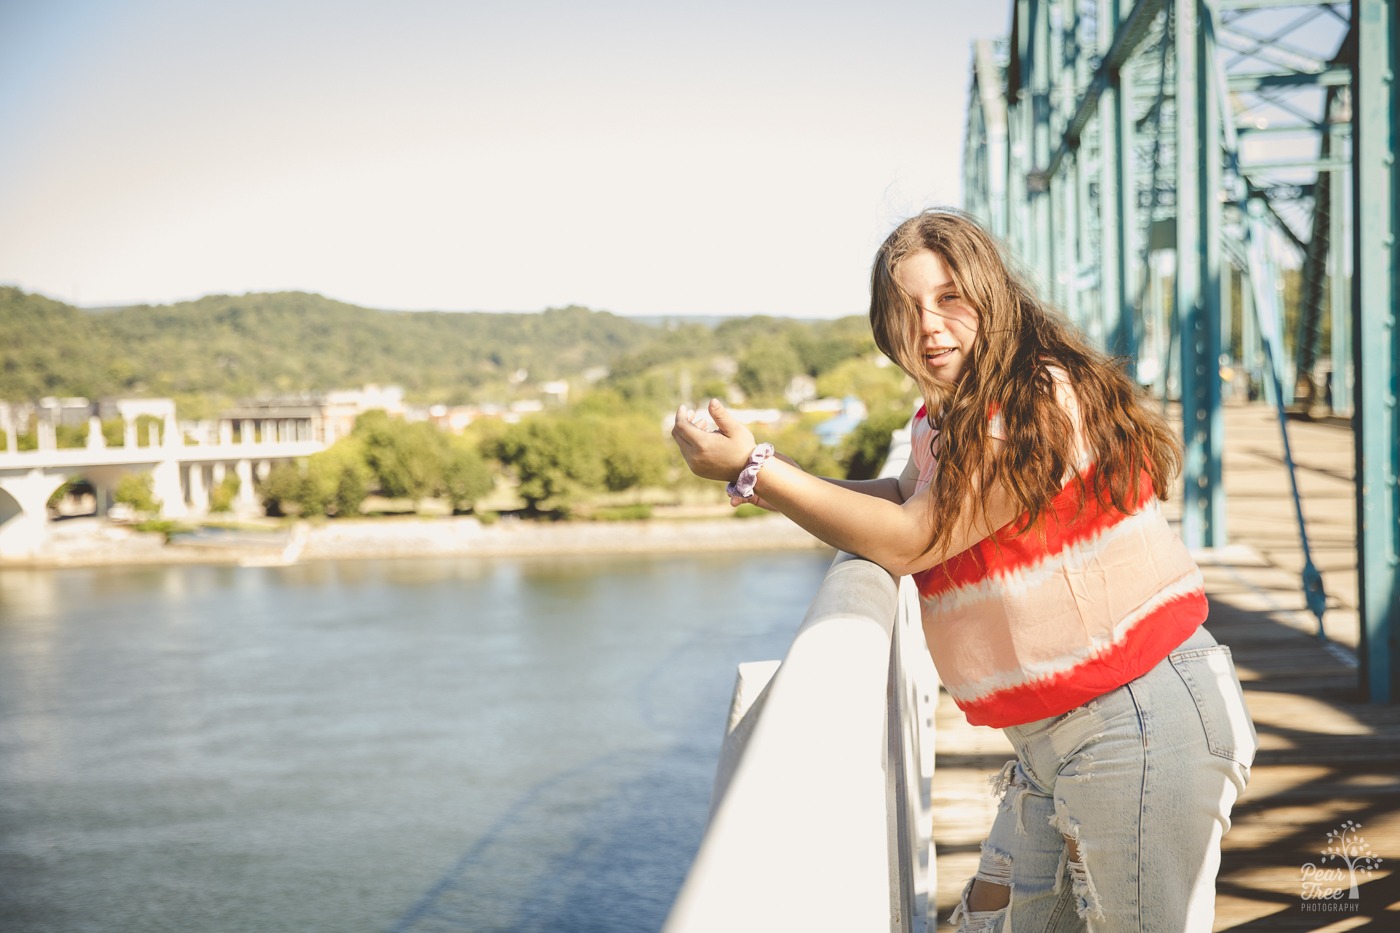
{"points": [[336, 480], [71, 436], [466, 474], [148, 430], [556, 459], [405, 459], [865, 449], [634, 452], [800, 442], [138, 491], [224, 493], [114, 432], [283, 486], [766, 367], [881, 385]]}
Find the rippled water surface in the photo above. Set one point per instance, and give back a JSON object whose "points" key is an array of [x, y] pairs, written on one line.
{"points": [[511, 744]]}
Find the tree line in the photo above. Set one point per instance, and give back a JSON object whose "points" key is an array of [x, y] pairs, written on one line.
{"points": [[624, 376], [556, 462], [206, 354]]}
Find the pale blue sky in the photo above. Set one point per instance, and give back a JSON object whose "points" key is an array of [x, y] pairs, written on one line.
{"points": [[639, 157]]}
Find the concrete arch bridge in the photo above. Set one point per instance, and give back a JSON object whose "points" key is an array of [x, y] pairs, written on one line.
{"points": [[183, 474]]}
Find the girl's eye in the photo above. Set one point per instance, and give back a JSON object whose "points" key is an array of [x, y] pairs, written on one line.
{"points": [[947, 298]]}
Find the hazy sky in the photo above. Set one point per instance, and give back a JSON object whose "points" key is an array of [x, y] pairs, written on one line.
{"points": [[638, 157]]}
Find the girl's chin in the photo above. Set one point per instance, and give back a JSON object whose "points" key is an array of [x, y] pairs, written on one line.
{"points": [[944, 372]]}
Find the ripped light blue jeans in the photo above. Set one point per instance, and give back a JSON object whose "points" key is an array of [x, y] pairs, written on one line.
{"points": [[1141, 780]]}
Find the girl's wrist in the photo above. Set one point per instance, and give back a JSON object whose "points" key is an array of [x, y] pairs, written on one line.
{"points": [[743, 485]]}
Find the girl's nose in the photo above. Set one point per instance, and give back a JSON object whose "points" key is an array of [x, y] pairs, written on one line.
{"points": [[930, 322]]}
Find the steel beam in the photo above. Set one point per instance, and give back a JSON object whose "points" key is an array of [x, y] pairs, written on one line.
{"points": [[1376, 290], [1265, 4], [1126, 39], [1197, 279], [1339, 296], [1117, 202], [1331, 76]]}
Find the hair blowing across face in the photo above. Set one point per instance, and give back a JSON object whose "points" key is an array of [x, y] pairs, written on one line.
{"points": [[1019, 341]]}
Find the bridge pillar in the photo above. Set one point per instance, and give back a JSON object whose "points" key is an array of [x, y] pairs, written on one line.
{"points": [[167, 488], [1197, 303], [198, 490], [95, 440], [247, 499], [24, 517]]}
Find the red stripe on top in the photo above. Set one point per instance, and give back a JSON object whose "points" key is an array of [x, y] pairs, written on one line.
{"points": [[1074, 515], [1150, 640]]}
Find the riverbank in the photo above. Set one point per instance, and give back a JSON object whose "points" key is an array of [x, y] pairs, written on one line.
{"points": [[97, 543]]}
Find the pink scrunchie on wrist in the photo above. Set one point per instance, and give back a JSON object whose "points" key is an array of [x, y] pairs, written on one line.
{"points": [[748, 477]]}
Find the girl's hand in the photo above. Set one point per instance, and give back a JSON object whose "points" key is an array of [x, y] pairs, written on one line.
{"points": [[721, 454]]}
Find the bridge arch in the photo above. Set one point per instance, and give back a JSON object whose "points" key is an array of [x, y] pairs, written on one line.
{"points": [[24, 511]]}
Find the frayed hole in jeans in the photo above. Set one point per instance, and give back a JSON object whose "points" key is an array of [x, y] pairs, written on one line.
{"points": [[1073, 864], [993, 872], [1086, 898], [1010, 784]]}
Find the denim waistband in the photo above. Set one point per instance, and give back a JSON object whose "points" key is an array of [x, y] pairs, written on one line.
{"points": [[1200, 638]]}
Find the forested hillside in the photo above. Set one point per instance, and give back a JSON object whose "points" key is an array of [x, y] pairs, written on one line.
{"points": [[622, 374], [205, 353], [226, 345]]}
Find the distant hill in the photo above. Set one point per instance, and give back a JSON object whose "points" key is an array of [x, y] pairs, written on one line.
{"points": [[291, 342], [208, 352]]}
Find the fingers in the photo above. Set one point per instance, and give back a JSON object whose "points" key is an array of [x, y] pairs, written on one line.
{"points": [[736, 501], [728, 425], [721, 415], [691, 419], [710, 452], [686, 427]]}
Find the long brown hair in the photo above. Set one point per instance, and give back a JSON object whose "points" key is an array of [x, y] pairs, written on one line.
{"points": [[1009, 370]]}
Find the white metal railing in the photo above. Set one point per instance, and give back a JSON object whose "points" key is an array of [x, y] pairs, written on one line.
{"points": [[821, 812]]}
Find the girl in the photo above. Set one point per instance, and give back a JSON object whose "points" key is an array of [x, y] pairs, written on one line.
{"points": [[1057, 602]]}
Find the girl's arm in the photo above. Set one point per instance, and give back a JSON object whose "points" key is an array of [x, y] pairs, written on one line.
{"points": [[896, 489], [894, 534], [893, 488]]}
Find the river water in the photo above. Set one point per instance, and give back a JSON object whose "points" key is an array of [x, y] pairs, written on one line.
{"points": [[432, 745]]}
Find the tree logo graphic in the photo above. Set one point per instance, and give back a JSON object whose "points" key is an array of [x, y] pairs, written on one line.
{"points": [[1346, 861]]}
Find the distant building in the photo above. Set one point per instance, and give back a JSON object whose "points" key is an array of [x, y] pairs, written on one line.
{"points": [[834, 430], [66, 411], [274, 419], [341, 407], [324, 418], [800, 389], [557, 391]]}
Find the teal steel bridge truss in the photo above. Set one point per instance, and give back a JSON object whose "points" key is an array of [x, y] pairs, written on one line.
{"points": [[1209, 190]]}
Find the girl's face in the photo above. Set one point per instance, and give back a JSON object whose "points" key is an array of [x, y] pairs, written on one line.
{"points": [[947, 323]]}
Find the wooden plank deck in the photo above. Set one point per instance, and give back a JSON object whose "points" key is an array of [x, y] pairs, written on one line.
{"points": [[1325, 757]]}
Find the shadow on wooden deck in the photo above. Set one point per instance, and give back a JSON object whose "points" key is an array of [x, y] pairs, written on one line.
{"points": [[1326, 756]]}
